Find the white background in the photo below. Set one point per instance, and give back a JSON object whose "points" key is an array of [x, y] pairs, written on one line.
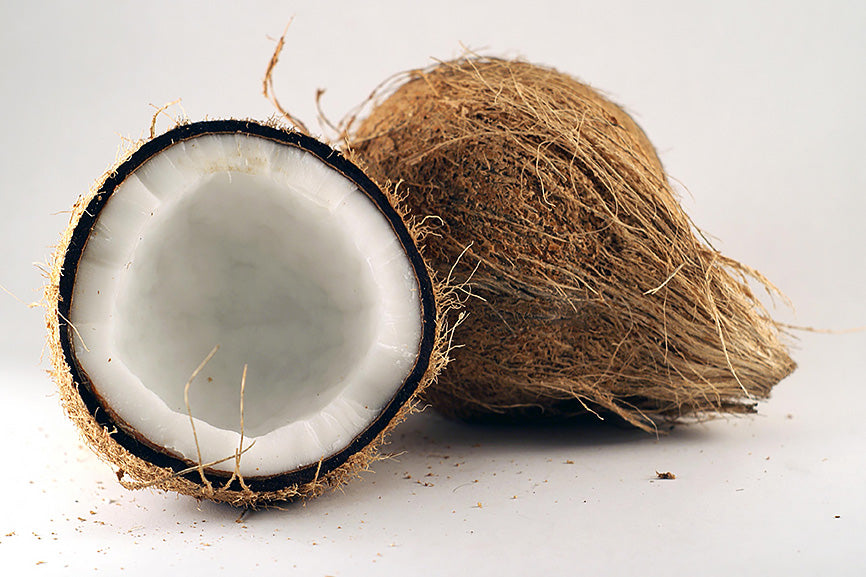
{"points": [[757, 109]]}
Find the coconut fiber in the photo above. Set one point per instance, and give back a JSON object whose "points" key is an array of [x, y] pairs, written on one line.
{"points": [[592, 290]]}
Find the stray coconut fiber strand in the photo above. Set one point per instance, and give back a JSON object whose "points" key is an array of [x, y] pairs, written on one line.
{"points": [[596, 292]]}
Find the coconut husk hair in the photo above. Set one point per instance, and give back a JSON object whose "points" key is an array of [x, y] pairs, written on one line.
{"points": [[134, 472], [593, 291]]}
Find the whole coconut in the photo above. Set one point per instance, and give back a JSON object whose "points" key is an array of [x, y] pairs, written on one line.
{"points": [[592, 290]]}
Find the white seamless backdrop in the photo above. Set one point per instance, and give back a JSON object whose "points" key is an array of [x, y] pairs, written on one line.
{"points": [[757, 111]]}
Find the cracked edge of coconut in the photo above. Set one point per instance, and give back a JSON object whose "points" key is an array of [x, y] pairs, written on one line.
{"points": [[135, 472]]}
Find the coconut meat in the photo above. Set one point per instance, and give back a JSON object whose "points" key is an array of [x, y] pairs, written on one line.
{"points": [[263, 250]]}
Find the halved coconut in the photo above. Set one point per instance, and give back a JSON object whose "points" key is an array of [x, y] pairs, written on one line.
{"points": [[225, 253]]}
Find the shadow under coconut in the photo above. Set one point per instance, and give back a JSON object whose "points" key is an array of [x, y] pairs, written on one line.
{"points": [[431, 431]]}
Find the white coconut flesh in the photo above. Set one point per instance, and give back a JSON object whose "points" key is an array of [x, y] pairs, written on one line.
{"points": [[261, 249]]}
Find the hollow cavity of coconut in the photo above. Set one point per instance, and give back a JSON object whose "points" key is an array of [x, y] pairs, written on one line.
{"points": [[595, 292], [241, 315]]}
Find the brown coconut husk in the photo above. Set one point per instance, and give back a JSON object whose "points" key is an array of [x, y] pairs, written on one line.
{"points": [[593, 291], [135, 473]]}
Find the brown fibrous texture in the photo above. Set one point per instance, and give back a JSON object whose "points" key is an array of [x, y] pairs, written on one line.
{"points": [[592, 290], [136, 473]]}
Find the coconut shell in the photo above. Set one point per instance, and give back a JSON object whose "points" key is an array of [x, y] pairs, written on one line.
{"points": [[592, 290], [132, 461]]}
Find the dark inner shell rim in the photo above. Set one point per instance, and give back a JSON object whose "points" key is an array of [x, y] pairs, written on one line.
{"points": [[146, 450]]}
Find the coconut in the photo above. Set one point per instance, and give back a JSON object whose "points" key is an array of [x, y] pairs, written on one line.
{"points": [[236, 312], [593, 291]]}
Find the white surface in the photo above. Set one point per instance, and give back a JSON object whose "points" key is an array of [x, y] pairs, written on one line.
{"points": [[756, 107], [261, 250]]}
